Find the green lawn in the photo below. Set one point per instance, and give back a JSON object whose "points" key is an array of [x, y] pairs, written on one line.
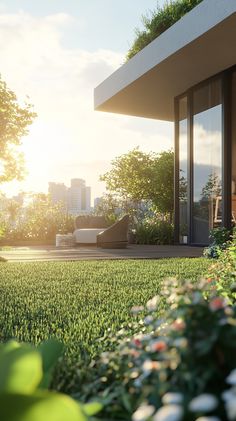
{"points": [[78, 302]]}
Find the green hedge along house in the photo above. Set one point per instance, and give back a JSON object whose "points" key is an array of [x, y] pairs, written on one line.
{"points": [[188, 76]]}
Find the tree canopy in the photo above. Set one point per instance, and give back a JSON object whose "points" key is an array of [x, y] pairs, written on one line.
{"points": [[40, 219], [159, 21], [14, 122], [138, 176]]}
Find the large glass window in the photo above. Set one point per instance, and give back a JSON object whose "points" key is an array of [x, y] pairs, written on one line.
{"points": [[183, 177], [234, 150], [207, 161]]}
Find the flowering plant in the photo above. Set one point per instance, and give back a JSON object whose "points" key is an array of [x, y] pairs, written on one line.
{"points": [[219, 240], [223, 271], [176, 368]]}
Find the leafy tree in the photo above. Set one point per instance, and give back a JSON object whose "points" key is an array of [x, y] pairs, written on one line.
{"points": [[160, 20], [14, 122], [40, 220], [212, 187], [12, 209], [107, 207], [138, 176]]}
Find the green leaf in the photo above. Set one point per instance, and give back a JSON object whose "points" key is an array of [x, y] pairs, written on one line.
{"points": [[41, 406], [92, 408], [50, 351], [9, 346], [126, 402], [20, 369]]}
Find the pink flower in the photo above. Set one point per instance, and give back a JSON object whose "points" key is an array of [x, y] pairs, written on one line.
{"points": [[137, 343], [216, 304], [134, 353], [178, 324], [158, 346]]}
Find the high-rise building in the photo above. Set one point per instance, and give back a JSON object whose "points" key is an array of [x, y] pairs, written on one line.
{"points": [[58, 193], [77, 198]]}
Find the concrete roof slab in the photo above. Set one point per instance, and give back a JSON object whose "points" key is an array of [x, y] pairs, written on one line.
{"points": [[198, 46]]}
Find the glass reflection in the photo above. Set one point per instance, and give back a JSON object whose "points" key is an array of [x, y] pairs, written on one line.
{"points": [[183, 178], [207, 161]]}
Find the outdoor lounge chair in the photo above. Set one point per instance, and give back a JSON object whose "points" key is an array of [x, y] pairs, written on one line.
{"points": [[87, 227], [115, 236]]}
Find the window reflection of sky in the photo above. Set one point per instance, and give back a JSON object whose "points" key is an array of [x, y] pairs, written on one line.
{"points": [[207, 151]]}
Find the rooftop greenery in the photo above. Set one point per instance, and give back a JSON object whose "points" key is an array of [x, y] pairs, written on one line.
{"points": [[158, 21]]}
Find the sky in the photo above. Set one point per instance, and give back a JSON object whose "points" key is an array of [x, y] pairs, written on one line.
{"points": [[57, 52]]}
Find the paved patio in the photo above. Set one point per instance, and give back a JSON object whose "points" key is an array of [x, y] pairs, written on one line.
{"points": [[50, 253]]}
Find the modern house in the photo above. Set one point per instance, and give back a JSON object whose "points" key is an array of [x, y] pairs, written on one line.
{"points": [[188, 76]]}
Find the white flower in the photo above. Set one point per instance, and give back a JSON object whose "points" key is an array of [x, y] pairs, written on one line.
{"points": [[180, 342], [229, 394], [197, 297], [169, 413], [143, 412], [148, 320], [152, 304], [203, 403], [172, 398], [212, 418], [137, 309], [230, 407], [150, 365], [231, 379]]}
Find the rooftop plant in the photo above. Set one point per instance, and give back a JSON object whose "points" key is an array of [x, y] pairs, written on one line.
{"points": [[158, 21]]}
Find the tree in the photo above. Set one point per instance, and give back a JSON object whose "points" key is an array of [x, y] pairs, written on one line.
{"points": [[12, 209], [160, 20], [107, 207], [14, 122], [138, 176], [40, 220], [212, 187]]}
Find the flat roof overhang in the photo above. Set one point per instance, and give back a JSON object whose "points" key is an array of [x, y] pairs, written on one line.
{"points": [[198, 46]]}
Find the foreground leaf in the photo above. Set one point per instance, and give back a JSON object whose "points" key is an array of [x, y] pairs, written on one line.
{"points": [[41, 406], [50, 351], [20, 369]]}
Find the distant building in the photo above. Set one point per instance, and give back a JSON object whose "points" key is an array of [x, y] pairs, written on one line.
{"points": [[77, 198], [58, 193]]}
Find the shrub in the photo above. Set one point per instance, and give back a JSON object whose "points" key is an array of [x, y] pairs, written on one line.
{"points": [[159, 21], [152, 231], [41, 220], [180, 365], [223, 271], [219, 240]]}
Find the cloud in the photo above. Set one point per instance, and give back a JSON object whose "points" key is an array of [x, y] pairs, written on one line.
{"points": [[60, 83]]}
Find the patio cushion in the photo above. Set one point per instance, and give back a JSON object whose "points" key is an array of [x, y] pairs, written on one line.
{"points": [[87, 235], [90, 221]]}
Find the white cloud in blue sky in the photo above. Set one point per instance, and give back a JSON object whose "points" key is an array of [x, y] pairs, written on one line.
{"points": [[57, 51]]}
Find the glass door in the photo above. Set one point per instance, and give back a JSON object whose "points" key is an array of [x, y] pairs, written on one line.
{"points": [[183, 171], [207, 161]]}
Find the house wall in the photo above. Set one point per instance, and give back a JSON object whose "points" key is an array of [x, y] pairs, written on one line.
{"points": [[234, 148], [234, 129]]}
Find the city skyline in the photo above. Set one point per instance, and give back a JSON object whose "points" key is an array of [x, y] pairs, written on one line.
{"points": [[76, 198]]}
